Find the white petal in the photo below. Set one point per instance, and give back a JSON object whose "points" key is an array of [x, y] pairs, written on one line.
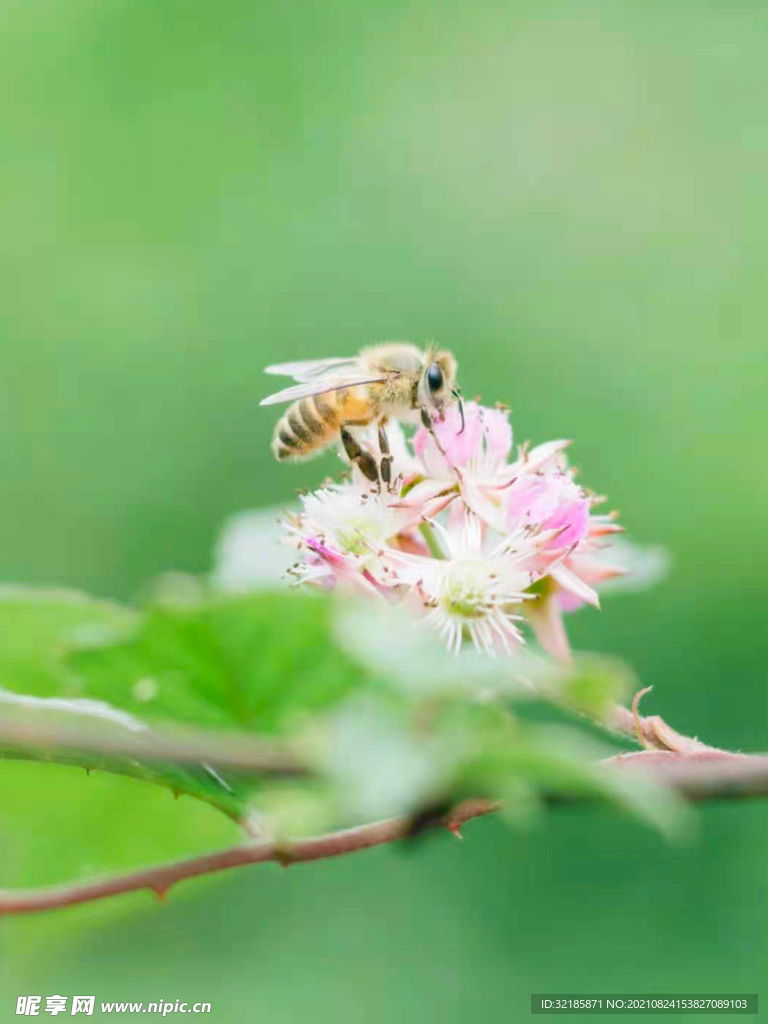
{"points": [[422, 492], [480, 504], [535, 459]]}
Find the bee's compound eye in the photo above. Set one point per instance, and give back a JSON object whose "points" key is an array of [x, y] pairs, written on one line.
{"points": [[434, 377]]}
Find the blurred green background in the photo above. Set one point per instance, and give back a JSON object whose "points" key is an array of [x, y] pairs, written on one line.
{"points": [[573, 199]]}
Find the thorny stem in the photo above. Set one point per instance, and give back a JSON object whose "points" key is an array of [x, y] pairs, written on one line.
{"points": [[695, 770], [186, 746], [262, 755], [159, 879], [706, 775], [652, 732]]}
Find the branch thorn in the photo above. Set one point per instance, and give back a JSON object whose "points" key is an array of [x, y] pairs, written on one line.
{"points": [[283, 856], [636, 716], [161, 891]]}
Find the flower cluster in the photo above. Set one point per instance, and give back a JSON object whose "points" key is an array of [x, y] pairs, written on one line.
{"points": [[475, 539]]}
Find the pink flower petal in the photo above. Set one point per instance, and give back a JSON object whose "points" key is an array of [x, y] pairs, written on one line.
{"points": [[545, 617], [600, 526], [522, 499], [593, 572], [498, 432], [485, 431], [329, 555], [568, 602], [459, 447], [570, 582], [572, 519], [553, 502]]}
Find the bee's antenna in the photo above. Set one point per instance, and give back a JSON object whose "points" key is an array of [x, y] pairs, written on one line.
{"points": [[457, 394]]}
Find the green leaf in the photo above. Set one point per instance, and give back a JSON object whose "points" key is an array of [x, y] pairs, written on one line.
{"points": [[381, 763], [424, 728], [592, 684], [260, 662], [38, 688], [38, 625], [59, 825], [383, 760], [562, 763], [99, 728]]}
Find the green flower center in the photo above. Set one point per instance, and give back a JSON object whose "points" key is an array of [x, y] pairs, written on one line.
{"points": [[356, 537], [465, 592]]}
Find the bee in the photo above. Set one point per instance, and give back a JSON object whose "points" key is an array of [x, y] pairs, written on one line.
{"points": [[332, 396]]}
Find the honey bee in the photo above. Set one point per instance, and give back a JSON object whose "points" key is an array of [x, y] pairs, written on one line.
{"points": [[393, 379]]}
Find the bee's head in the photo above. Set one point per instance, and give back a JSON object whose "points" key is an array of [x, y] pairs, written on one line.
{"points": [[437, 387]]}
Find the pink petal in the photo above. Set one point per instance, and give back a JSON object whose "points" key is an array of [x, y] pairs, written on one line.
{"points": [[459, 448], [329, 555], [553, 502], [545, 617], [593, 572], [498, 432], [343, 568], [573, 519], [600, 527], [568, 602], [522, 497], [590, 572], [569, 581]]}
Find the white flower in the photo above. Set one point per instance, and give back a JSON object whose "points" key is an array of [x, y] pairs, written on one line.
{"points": [[474, 591], [347, 529]]}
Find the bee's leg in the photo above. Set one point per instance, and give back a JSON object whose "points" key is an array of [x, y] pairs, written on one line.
{"points": [[426, 419], [385, 466], [365, 462]]}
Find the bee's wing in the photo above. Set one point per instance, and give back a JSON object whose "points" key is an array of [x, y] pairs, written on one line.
{"points": [[329, 382], [309, 369]]}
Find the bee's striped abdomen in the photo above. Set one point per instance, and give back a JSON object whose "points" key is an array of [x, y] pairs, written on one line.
{"points": [[307, 427]]}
